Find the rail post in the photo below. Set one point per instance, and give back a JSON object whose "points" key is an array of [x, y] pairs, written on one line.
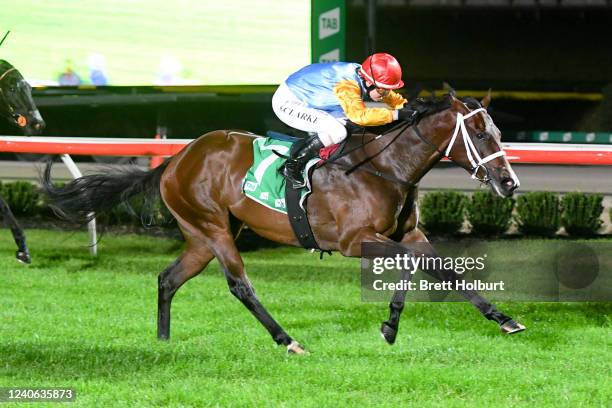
{"points": [[91, 226]]}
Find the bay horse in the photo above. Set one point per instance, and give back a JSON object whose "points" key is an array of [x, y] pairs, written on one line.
{"points": [[202, 188], [17, 106]]}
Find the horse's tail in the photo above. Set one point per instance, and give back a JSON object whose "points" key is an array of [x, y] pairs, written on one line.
{"points": [[86, 197]]}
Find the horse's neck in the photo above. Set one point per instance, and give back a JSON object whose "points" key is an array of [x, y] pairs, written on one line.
{"points": [[408, 158]]}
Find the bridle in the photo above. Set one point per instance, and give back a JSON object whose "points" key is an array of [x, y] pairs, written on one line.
{"points": [[473, 156], [7, 72], [11, 109], [476, 161]]}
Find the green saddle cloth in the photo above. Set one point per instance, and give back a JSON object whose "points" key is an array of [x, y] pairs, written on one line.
{"points": [[263, 182]]}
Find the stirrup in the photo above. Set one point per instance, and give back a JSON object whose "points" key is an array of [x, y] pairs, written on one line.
{"points": [[295, 182]]}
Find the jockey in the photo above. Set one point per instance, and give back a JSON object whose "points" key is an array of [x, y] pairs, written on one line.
{"points": [[320, 98]]}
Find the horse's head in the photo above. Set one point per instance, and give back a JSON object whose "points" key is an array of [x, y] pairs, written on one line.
{"points": [[16, 103], [475, 145]]}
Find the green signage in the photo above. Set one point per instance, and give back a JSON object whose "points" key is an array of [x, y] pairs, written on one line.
{"points": [[327, 33]]}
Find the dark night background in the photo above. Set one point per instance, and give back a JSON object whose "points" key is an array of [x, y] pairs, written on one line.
{"points": [[509, 49]]}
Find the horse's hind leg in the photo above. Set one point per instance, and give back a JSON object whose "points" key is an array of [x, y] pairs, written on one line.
{"points": [[240, 286], [23, 255], [186, 266]]}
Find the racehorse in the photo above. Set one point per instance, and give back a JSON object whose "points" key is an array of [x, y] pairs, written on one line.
{"points": [[202, 188], [17, 106]]}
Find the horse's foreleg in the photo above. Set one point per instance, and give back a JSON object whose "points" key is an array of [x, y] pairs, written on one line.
{"points": [[23, 255], [240, 286], [488, 310], [390, 328], [352, 247], [188, 265]]}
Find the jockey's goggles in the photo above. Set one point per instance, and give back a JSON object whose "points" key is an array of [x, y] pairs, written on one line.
{"points": [[383, 92]]}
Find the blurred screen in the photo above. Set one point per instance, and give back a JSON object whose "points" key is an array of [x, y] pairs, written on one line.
{"points": [[155, 42]]}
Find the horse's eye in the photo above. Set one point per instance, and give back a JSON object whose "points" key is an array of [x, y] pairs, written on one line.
{"points": [[482, 135]]}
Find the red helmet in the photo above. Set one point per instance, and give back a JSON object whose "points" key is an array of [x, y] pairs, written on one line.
{"points": [[382, 70]]}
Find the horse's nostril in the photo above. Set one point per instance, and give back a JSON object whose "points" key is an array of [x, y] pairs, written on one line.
{"points": [[508, 184]]}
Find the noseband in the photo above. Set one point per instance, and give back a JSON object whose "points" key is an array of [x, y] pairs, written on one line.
{"points": [[473, 156]]}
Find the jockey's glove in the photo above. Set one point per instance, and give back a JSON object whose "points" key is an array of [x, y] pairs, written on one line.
{"points": [[407, 114]]}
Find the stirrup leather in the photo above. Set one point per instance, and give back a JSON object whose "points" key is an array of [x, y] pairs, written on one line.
{"points": [[294, 165]]}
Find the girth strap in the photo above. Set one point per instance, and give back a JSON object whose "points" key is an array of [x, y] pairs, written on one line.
{"points": [[297, 216]]}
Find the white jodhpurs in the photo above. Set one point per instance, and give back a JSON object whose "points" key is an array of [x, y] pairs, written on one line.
{"points": [[296, 114]]}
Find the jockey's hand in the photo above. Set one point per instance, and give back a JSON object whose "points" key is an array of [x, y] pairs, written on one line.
{"points": [[407, 114]]}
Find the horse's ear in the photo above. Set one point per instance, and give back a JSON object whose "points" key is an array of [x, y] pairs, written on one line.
{"points": [[448, 88], [486, 100]]}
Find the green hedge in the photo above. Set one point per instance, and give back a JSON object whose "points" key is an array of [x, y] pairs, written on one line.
{"points": [[442, 212], [581, 213], [537, 213], [23, 197], [489, 214]]}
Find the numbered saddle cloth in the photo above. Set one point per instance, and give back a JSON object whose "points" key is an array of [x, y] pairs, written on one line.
{"points": [[263, 182]]}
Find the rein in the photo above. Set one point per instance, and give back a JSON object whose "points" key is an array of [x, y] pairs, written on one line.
{"points": [[473, 156], [10, 108], [349, 169], [6, 73]]}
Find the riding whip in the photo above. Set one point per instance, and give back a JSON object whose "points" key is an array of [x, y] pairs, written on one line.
{"points": [[4, 38]]}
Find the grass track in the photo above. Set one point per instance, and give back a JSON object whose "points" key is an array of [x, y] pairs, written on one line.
{"points": [[68, 320]]}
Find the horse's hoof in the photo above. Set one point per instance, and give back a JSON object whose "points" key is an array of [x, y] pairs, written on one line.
{"points": [[295, 348], [23, 257], [511, 327], [388, 333]]}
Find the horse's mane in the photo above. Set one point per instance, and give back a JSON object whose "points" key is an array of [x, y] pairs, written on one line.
{"points": [[429, 106], [425, 106], [471, 102]]}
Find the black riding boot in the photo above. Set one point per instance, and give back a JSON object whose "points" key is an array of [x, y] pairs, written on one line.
{"points": [[295, 164]]}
